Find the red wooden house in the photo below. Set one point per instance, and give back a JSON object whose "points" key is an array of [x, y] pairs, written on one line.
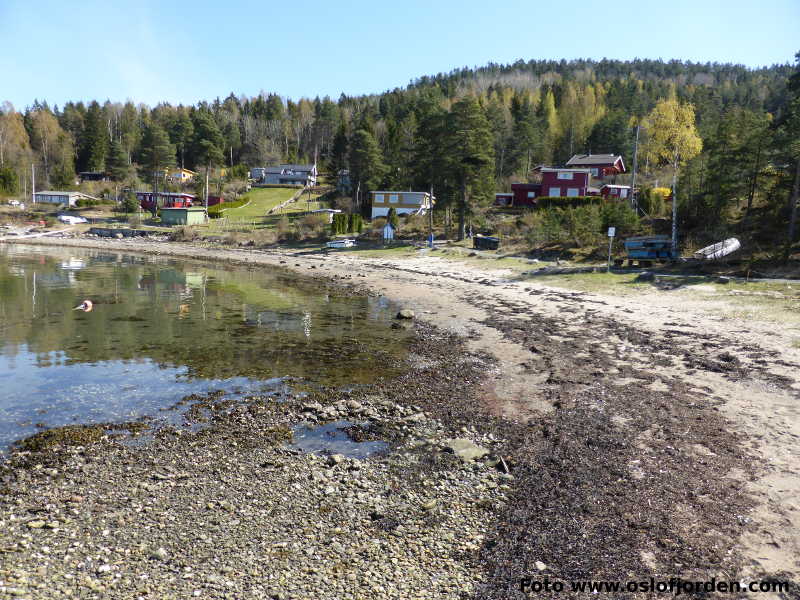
{"points": [[165, 199], [564, 182], [600, 165]]}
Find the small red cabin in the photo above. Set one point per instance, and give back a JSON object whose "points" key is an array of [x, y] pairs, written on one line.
{"points": [[615, 192], [525, 194], [165, 200]]}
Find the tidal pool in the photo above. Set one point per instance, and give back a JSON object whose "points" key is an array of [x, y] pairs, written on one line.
{"points": [[161, 329]]}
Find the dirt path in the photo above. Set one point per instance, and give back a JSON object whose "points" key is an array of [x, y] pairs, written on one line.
{"points": [[723, 392]]}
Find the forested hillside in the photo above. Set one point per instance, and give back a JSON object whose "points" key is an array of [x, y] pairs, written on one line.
{"points": [[467, 133]]}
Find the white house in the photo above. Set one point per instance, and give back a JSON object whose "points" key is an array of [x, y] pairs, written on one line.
{"points": [[286, 175], [65, 198], [402, 202]]}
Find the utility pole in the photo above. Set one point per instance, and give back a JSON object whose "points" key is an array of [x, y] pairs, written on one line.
{"points": [[33, 183], [634, 200], [206, 194], [675, 208], [430, 218]]}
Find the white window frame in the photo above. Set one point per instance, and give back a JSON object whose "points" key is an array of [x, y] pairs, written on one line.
{"points": [[595, 172], [557, 191], [531, 194], [567, 175], [379, 198], [623, 193], [573, 192], [394, 198]]}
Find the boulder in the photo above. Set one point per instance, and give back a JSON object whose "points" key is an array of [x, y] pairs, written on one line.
{"points": [[646, 276], [406, 313], [464, 449]]}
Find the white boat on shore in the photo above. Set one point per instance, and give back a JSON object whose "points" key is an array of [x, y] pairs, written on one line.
{"points": [[348, 243], [718, 250]]}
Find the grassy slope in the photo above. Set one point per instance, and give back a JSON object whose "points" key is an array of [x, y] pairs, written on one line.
{"points": [[261, 200]]}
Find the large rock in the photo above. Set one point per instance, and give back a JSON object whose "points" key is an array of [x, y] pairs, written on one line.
{"points": [[466, 450], [646, 276], [405, 313]]}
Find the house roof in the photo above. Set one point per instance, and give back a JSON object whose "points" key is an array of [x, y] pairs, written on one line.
{"points": [[176, 194], [611, 185], [397, 192], [562, 170], [595, 160], [57, 193]]}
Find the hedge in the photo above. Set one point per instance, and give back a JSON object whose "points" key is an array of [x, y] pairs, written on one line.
{"points": [[567, 201], [346, 223], [86, 202]]}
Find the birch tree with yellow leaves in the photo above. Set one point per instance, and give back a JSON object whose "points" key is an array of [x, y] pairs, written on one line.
{"points": [[672, 139]]}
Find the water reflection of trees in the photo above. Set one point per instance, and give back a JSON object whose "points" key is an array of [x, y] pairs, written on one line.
{"points": [[218, 322]]}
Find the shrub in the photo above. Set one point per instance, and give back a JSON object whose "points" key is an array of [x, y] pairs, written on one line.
{"points": [[653, 201], [129, 203], [238, 172], [183, 233], [393, 219], [619, 215]]}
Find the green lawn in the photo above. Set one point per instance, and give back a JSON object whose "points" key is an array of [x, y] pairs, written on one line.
{"points": [[261, 200]]}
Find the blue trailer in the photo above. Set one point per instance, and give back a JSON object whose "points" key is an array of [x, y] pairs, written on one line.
{"points": [[647, 249]]}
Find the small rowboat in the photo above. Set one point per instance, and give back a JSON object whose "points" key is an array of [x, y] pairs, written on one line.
{"points": [[718, 250], [348, 243]]}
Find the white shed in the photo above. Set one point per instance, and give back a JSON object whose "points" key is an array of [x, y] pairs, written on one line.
{"points": [[388, 232]]}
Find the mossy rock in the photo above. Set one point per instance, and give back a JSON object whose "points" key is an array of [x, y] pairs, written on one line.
{"points": [[75, 435], [69, 435]]}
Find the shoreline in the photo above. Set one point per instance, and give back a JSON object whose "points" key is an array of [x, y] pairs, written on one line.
{"points": [[595, 393]]}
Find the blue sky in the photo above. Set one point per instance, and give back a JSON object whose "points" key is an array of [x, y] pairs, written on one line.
{"points": [[149, 51]]}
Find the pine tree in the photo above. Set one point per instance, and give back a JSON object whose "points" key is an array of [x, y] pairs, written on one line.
{"points": [[470, 158], [95, 140], [118, 166], [181, 134], [366, 162], [158, 155]]}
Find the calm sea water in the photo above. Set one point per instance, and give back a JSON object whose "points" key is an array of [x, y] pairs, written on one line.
{"points": [[162, 329]]}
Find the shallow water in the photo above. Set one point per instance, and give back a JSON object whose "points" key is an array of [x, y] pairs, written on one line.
{"points": [[331, 438], [162, 329]]}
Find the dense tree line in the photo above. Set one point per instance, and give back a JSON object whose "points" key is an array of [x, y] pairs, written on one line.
{"points": [[466, 133]]}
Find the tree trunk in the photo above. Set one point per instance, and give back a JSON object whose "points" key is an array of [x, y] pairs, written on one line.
{"points": [[754, 178], [793, 208]]}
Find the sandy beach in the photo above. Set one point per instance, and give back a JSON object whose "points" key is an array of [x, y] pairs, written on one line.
{"points": [[642, 435]]}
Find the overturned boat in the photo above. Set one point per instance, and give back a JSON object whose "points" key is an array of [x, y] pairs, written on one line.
{"points": [[718, 250]]}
